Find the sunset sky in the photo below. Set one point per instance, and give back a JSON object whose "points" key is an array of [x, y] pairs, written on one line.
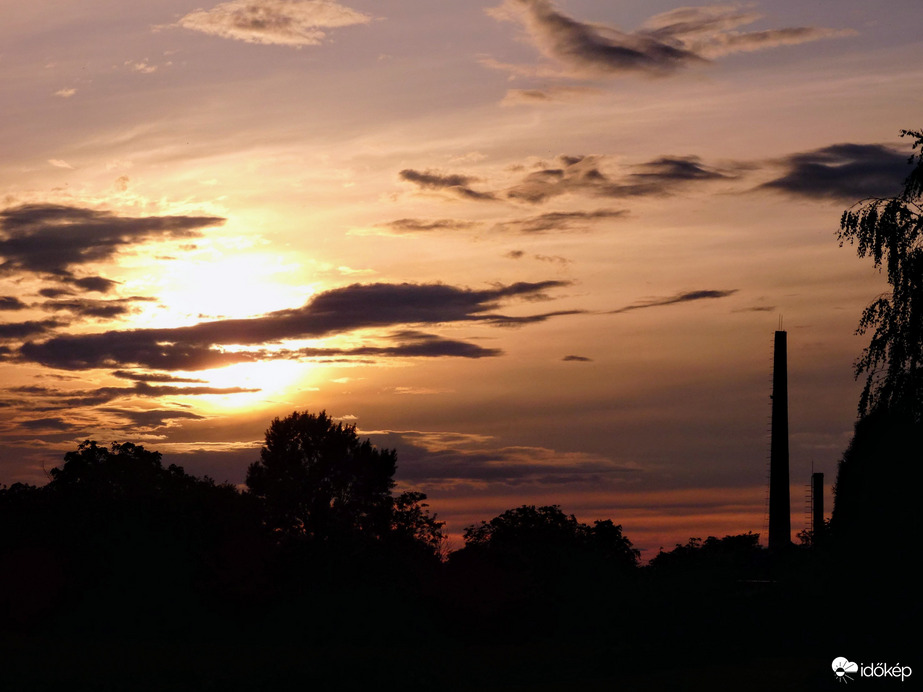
{"points": [[540, 248]]}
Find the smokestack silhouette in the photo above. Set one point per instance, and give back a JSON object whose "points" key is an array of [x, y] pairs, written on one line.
{"points": [[780, 520], [817, 505]]}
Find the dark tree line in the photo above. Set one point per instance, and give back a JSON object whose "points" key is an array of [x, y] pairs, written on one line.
{"points": [[344, 579], [318, 553]]}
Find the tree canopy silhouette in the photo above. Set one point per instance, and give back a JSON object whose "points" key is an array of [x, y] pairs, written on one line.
{"points": [[412, 525], [318, 480], [728, 558], [876, 497], [132, 540], [124, 470], [890, 231], [529, 532]]}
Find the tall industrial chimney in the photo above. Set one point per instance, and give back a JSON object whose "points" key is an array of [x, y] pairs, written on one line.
{"points": [[780, 521], [817, 506]]}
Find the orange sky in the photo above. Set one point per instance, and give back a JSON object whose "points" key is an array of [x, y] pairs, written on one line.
{"points": [[538, 247]]}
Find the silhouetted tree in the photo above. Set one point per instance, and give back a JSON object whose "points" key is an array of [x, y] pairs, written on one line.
{"points": [[542, 572], [731, 557], [530, 533], [890, 231], [96, 483], [137, 541], [124, 470], [525, 525], [318, 480], [816, 536], [875, 496], [412, 525]]}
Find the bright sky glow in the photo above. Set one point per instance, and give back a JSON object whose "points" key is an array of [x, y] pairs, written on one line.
{"points": [[538, 247]]}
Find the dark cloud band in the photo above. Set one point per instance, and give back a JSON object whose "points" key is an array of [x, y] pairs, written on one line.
{"points": [[666, 43], [558, 221], [584, 175], [453, 182], [103, 395], [11, 303], [843, 172], [337, 311], [53, 240], [687, 297]]}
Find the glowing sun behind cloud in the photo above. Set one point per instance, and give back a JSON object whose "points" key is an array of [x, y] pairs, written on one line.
{"points": [[267, 383], [227, 286]]}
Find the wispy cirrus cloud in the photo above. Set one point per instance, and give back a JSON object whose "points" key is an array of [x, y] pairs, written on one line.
{"points": [[444, 460], [685, 297], [544, 95], [711, 31], [294, 23], [413, 226], [664, 44], [98, 309], [560, 221], [102, 395], [457, 184], [757, 308], [585, 175], [843, 172], [155, 377], [141, 66], [556, 221], [146, 420], [554, 259], [407, 344], [673, 169]]}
